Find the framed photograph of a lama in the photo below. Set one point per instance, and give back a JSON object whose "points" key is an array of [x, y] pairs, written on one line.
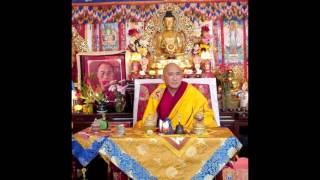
{"points": [[102, 67]]}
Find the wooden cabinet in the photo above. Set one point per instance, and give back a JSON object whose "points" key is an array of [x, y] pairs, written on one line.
{"points": [[241, 131], [227, 120], [241, 123]]}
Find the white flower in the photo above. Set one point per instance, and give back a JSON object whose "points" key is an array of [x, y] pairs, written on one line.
{"points": [[112, 88], [122, 89], [118, 87]]}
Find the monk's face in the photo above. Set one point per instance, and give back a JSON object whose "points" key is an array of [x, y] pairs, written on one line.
{"points": [[105, 74], [172, 76]]}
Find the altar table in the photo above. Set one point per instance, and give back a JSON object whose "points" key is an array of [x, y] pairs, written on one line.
{"points": [[155, 156]]}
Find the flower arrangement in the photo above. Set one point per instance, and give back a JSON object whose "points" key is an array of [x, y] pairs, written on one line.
{"points": [[119, 91], [134, 42], [205, 36], [133, 32], [224, 75], [205, 28], [118, 88]]}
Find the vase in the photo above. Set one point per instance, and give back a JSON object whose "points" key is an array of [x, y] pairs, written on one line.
{"points": [[102, 106], [103, 124], [226, 100], [120, 104]]}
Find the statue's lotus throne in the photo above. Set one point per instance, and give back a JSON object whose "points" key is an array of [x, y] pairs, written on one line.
{"points": [[144, 87]]}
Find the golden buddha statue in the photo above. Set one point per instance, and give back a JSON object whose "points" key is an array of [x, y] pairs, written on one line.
{"points": [[170, 43], [167, 37]]}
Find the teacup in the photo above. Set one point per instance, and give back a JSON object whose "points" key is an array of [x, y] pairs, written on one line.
{"points": [[120, 129]]}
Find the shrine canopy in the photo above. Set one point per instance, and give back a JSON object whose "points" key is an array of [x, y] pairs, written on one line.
{"points": [[149, 1], [100, 1]]}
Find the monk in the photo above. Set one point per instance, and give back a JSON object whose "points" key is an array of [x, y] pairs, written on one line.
{"points": [[177, 100]]}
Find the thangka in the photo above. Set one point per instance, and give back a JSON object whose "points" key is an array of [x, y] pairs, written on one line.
{"points": [[110, 36], [233, 41]]}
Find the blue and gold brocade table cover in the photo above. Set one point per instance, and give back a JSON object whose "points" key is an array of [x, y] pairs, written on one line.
{"points": [[155, 156]]}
